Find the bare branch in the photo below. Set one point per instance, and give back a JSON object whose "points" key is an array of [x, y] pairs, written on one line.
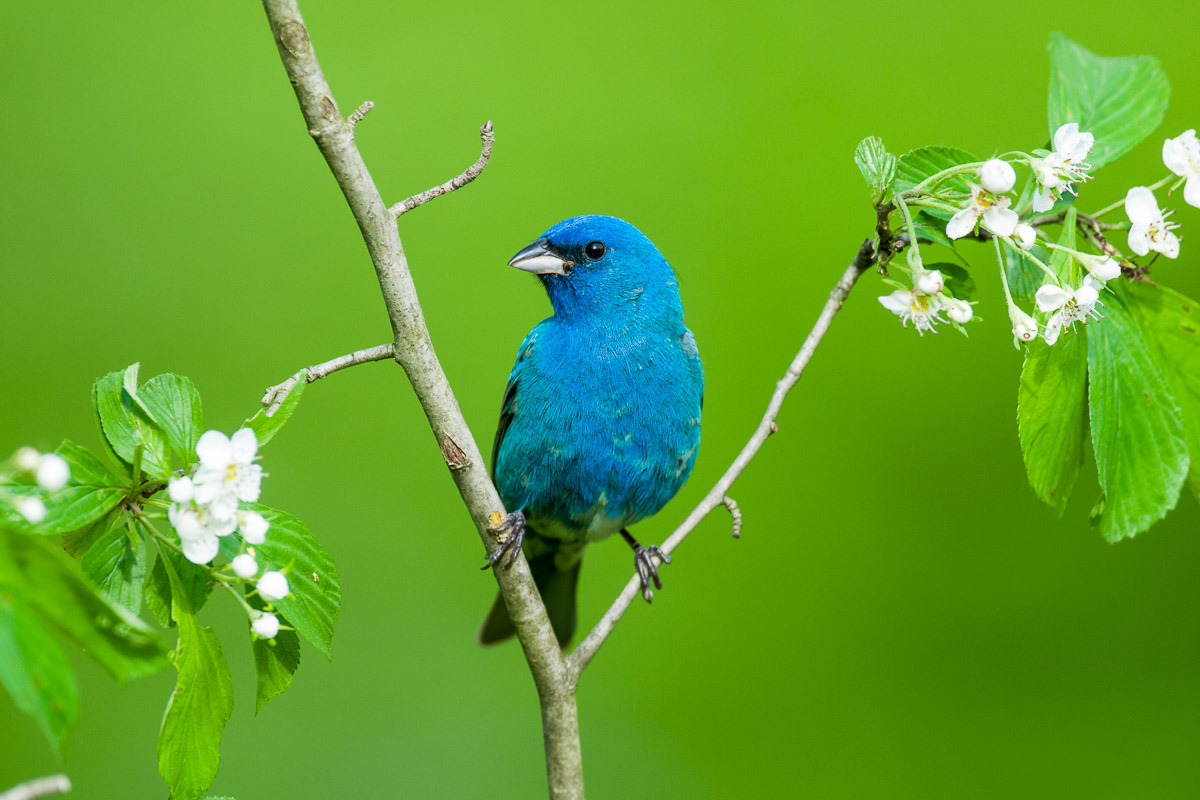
{"points": [[360, 112], [277, 394], [39, 787], [414, 352], [488, 136], [717, 496], [735, 513]]}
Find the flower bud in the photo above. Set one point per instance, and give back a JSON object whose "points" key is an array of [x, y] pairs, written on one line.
{"points": [[52, 472], [1025, 236], [253, 526], [32, 509], [1102, 268], [266, 626], [272, 586], [930, 282], [1025, 327], [182, 489], [997, 176], [959, 310], [245, 566], [26, 459]]}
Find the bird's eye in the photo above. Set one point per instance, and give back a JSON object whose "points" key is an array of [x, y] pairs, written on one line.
{"points": [[595, 251]]}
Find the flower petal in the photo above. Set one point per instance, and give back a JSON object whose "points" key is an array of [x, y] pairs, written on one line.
{"points": [[897, 302], [244, 446], [1169, 246], [1051, 297], [1065, 136], [214, 449], [200, 549], [1001, 220], [962, 223], [1191, 190], [1175, 156], [1139, 241], [1141, 206], [1042, 200], [1053, 328]]}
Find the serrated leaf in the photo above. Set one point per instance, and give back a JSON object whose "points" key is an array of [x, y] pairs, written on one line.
{"points": [[1137, 426], [35, 671], [195, 581], [157, 593], [266, 427], [50, 581], [189, 741], [1052, 417], [275, 662], [173, 404], [1172, 322], [68, 509], [87, 470], [117, 569], [877, 165], [932, 230], [125, 426], [1120, 101], [916, 166], [316, 596]]}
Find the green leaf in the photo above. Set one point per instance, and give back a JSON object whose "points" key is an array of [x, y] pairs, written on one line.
{"points": [[189, 741], [932, 229], [1024, 276], [158, 593], [316, 596], [1061, 261], [1051, 414], [266, 427], [958, 280], [125, 426], [877, 165], [87, 470], [78, 542], [1120, 101], [1172, 322], [917, 165], [50, 581], [35, 671], [70, 508], [195, 581], [275, 662], [1137, 426], [173, 404], [116, 568]]}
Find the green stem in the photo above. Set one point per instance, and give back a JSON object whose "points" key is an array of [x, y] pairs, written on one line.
{"points": [[1036, 260], [1154, 186], [1003, 275], [914, 250], [135, 487]]}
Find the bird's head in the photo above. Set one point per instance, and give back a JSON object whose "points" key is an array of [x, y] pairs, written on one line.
{"points": [[595, 265]]}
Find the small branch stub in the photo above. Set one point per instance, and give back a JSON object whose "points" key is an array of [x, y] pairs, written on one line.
{"points": [[360, 112], [275, 395], [488, 137], [41, 787], [735, 515]]}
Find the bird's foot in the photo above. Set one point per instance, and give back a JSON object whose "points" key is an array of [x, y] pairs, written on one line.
{"points": [[510, 532], [643, 559]]}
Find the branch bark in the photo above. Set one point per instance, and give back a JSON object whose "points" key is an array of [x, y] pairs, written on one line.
{"points": [[488, 136], [414, 352], [276, 394], [717, 496], [39, 787]]}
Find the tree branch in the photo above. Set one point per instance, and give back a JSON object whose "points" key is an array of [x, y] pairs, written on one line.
{"points": [[39, 787], [717, 496], [414, 351], [277, 394], [458, 181]]}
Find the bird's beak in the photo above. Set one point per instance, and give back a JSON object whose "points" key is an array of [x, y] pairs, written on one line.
{"points": [[540, 259]]}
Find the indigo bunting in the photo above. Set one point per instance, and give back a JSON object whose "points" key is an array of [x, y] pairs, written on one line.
{"points": [[600, 421]]}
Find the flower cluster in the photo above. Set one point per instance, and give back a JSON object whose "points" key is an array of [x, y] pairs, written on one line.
{"points": [[205, 506], [991, 211], [49, 470]]}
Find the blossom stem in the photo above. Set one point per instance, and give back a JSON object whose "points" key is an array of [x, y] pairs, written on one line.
{"points": [[914, 250], [1120, 203], [937, 178], [1004, 276], [1038, 261], [928, 202]]}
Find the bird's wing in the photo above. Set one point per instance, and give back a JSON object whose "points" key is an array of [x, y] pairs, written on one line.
{"points": [[508, 407]]}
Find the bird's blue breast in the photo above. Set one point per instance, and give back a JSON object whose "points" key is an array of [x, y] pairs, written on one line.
{"points": [[604, 424]]}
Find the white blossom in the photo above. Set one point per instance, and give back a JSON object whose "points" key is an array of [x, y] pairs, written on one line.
{"points": [[913, 306], [1150, 229], [1025, 236], [198, 531], [53, 472], [1181, 155], [266, 625], [272, 586], [959, 311], [32, 509], [253, 526], [931, 282], [997, 176], [983, 206], [1102, 268], [181, 490], [1025, 327], [1069, 306], [245, 566], [27, 459], [227, 472], [1057, 171]]}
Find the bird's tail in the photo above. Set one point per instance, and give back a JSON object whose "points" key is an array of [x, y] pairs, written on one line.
{"points": [[556, 583]]}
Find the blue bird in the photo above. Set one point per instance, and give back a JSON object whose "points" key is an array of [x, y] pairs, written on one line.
{"points": [[600, 422]]}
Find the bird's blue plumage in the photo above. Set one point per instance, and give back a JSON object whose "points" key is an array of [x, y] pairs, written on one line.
{"points": [[600, 423]]}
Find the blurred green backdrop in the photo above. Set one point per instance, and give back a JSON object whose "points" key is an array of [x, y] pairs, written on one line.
{"points": [[900, 618]]}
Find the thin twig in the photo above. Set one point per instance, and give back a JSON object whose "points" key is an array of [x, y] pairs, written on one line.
{"points": [[39, 787], [488, 136], [717, 496], [735, 515], [277, 394], [360, 112]]}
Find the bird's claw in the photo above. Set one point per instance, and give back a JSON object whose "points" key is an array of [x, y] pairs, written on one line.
{"points": [[643, 559], [514, 524]]}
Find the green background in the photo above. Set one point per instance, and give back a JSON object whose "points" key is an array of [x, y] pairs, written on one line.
{"points": [[901, 618]]}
